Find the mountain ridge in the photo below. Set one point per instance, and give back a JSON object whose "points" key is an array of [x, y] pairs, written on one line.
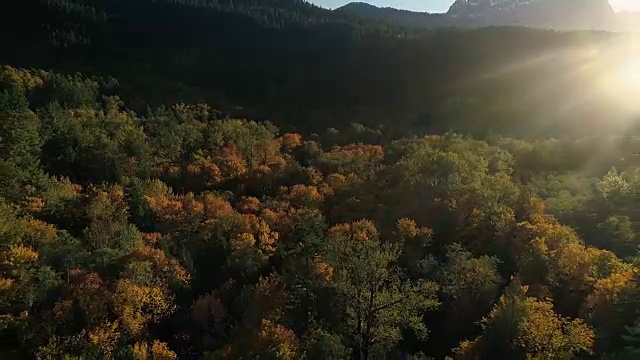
{"points": [[554, 14]]}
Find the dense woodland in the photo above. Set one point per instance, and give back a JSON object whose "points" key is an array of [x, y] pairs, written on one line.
{"points": [[270, 180], [307, 69]]}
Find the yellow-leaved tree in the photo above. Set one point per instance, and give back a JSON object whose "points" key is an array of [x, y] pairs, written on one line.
{"points": [[523, 327]]}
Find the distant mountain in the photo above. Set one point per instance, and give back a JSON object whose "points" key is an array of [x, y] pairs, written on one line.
{"points": [[396, 16], [584, 14], [555, 14]]}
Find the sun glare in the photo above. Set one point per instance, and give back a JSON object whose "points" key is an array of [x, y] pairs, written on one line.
{"points": [[617, 69], [629, 73], [625, 5]]}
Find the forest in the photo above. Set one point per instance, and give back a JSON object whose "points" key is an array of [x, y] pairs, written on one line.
{"points": [[252, 179], [307, 69]]}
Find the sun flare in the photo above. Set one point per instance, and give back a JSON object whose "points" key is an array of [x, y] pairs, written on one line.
{"points": [[617, 70], [629, 75]]}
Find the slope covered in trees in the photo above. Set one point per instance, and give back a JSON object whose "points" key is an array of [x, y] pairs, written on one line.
{"points": [[299, 65], [183, 233]]}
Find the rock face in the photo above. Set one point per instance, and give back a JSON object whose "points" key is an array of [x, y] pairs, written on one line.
{"points": [[545, 13], [556, 14]]}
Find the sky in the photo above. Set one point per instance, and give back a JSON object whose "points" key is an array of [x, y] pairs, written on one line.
{"points": [[443, 5]]}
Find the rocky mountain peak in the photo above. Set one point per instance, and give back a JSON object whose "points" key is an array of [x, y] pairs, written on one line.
{"points": [[583, 13]]}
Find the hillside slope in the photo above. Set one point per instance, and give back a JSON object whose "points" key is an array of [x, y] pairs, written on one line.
{"points": [[310, 68]]}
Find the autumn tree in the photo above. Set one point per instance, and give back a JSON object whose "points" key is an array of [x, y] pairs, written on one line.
{"points": [[522, 327], [378, 301], [469, 287], [20, 145]]}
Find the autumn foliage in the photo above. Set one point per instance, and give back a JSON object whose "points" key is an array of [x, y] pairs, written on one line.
{"points": [[179, 234]]}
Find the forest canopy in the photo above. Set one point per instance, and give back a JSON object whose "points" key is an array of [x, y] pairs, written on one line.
{"points": [[183, 233]]}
